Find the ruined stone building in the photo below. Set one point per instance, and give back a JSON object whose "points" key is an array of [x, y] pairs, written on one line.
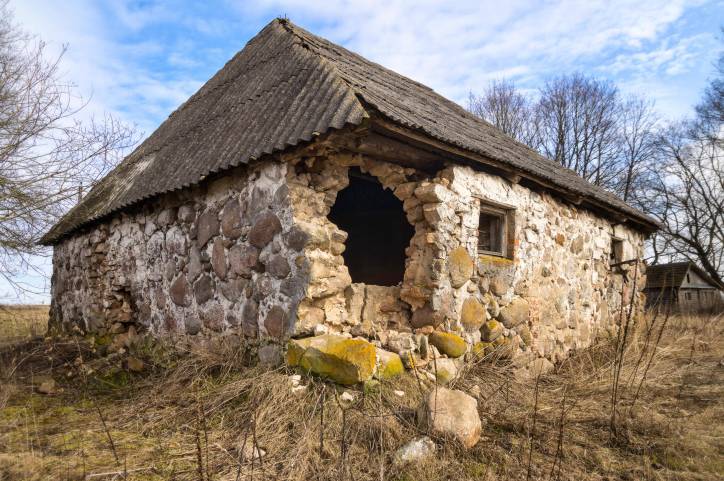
{"points": [[306, 190]]}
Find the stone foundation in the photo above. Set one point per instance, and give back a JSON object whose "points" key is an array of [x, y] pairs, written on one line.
{"points": [[253, 253]]}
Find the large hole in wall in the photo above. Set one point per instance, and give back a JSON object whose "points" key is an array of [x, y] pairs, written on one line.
{"points": [[377, 228]]}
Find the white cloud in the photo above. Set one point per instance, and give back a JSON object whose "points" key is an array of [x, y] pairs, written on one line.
{"points": [[135, 60]]}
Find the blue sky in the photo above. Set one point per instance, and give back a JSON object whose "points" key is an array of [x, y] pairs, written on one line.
{"points": [[141, 59]]}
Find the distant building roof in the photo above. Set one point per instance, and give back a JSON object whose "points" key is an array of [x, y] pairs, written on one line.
{"points": [[673, 274], [285, 87]]}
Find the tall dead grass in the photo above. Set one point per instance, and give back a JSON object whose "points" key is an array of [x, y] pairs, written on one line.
{"points": [[201, 415]]}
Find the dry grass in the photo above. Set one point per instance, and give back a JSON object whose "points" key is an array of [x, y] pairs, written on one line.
{"points": [[21, 322], [189, 414]]}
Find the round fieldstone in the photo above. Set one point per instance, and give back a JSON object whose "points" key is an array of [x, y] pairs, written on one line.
{"points": [[296, 238], [166, 217], [249, 315], [278, 267], [292, 287], [231, 219], [186, 214], [275, 322], [233, 289], [264, 229], [176, 241], [192, 324], [180, 291], [460, 266], [207, 226], [491, 330], [194, 267], [218, 259], [472, 315], [213, 317], [517, 312], [243, 259], [204, 289], [425, 316], [498, 286]]}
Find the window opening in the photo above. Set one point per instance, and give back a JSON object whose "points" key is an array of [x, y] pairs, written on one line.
{"points": [[378, 232]]}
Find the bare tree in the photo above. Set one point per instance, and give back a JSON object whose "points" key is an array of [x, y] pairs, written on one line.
{"points": [[637, 135], [687, 198], [579, 120], [47, 153], [506, 108]]}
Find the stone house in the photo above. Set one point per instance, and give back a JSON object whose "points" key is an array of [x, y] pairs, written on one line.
{"points": [[682, 287], [305, 189]]}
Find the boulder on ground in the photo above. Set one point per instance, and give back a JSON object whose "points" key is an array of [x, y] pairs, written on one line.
{"points": [[416, 450], [448, 343], [389, 365], [452, 413], [345, 361]]}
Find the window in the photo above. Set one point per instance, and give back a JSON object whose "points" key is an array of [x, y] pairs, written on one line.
{"points": [[616, 250], [494, 231]]}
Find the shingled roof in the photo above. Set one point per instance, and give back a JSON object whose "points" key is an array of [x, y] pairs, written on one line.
{"points": [[672, 274], [284, 87]]}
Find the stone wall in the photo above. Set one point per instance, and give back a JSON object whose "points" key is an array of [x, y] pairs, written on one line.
{"points": [[218, 257], [555, 293], [254, 253]]}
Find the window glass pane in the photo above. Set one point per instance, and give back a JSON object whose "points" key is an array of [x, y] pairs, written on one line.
{"points": [[490, 233]]}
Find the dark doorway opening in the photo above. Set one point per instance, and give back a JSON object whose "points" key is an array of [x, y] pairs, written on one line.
{"points": [[378, 231]]}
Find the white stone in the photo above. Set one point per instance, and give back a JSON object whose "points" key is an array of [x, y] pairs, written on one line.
{"points": [[416, 450]]}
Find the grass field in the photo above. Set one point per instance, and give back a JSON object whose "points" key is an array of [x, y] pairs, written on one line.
{"points": [[18, 323], [191, 414]]}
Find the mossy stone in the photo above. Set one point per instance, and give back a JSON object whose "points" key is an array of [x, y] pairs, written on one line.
{"points": [[482, 349], [389, 365], [491, 330], [344, 361], [448, 343]]}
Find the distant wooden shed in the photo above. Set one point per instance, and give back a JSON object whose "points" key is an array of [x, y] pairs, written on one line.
{"points": [[683, 286]]}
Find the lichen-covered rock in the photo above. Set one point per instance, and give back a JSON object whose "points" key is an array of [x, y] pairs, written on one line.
{"points": [[517, 312], [389, 365], [482, 348], [448, 343], [472, 315], [491, 330], [345, 361], [451, 413], [460, 266]]}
